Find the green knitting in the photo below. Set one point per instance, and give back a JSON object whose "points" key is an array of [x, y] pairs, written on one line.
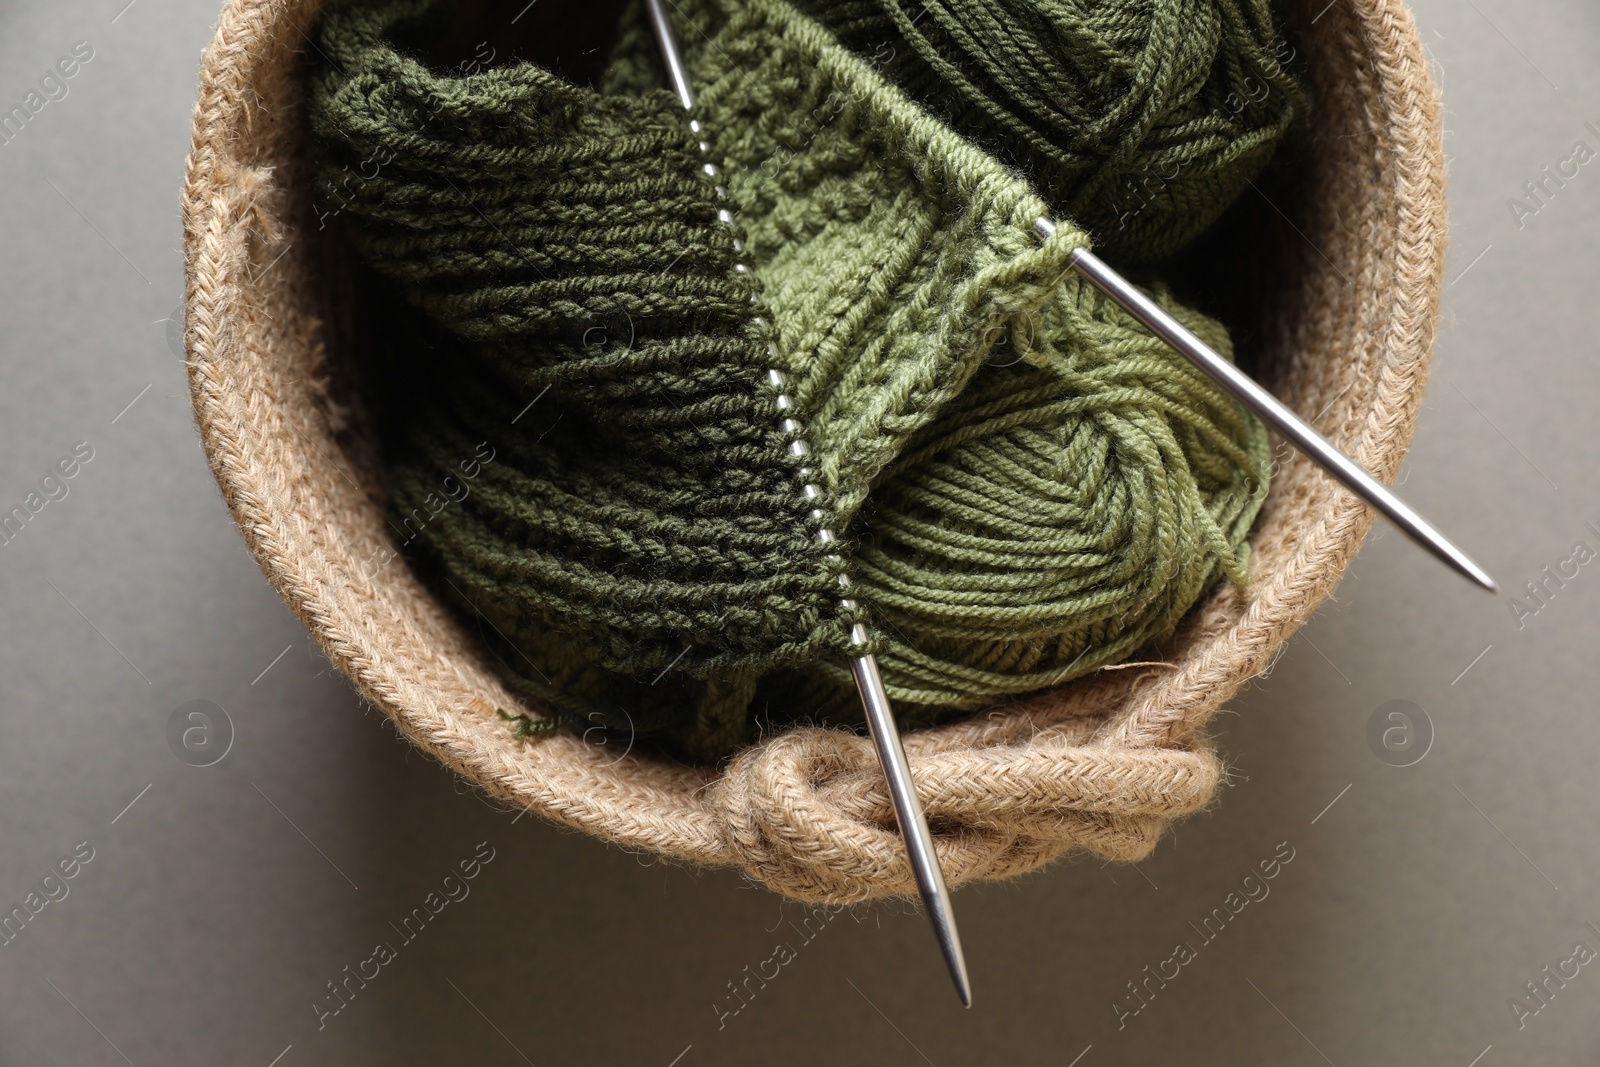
{"points": [[1142, 120], [1030, 487]]}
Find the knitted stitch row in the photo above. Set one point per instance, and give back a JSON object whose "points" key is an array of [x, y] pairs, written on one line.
{"points": [[639, 544]]}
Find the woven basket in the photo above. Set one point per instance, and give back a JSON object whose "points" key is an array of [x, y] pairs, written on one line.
{"points": [[1348, 304]]}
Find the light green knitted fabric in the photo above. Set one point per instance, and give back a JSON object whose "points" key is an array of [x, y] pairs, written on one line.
{"points": [[1028, 485]]}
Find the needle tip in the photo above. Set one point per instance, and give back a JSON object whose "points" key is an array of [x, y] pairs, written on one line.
{"points": [[1478, 575], [944, 928], [1417, 528]]}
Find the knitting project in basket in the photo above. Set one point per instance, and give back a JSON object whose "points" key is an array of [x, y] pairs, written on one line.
{"points": [[1102, 764], [641, 541]]}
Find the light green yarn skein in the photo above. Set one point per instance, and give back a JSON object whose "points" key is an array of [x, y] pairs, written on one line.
{"points": [[1063, 512]]}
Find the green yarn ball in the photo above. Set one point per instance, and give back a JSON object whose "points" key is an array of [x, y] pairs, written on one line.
{"points": [[1028, 486], [1064, 511], [1141, 120]]}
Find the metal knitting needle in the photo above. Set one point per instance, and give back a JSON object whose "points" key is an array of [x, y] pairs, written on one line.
{"points": [[869, 683], [1272, 411]]}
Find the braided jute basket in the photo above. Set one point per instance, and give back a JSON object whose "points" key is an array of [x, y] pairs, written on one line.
{"points": [[1346, 310]]}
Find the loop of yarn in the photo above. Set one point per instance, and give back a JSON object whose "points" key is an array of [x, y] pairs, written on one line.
{"points": [[1016, 514], [1141, 120]]}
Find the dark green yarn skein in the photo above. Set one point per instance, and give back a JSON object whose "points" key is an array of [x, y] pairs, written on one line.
{"points": [[1141, 120], [638, 545]]}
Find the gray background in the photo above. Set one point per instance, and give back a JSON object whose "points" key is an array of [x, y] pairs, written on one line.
{"points": [[217, 907]]}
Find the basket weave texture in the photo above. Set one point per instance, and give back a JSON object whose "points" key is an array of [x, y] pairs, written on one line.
{"points": [[1102, 764]]}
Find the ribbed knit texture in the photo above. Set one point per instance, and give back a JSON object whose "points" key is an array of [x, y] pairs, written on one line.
{"points": [[639, 542], [1141, 120]]}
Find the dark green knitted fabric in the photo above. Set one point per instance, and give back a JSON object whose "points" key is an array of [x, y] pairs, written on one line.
{"points": [[644, 511], [1013, 516], [1141, 120]]}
